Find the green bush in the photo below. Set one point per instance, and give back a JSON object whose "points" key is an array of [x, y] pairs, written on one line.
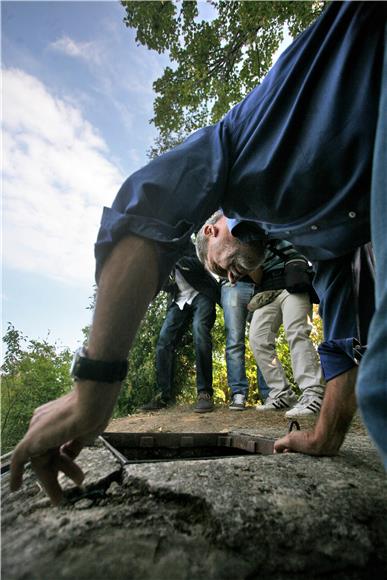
{"points": [[34, 372]]}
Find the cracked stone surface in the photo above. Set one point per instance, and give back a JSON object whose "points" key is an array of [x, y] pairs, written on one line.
{"points": [[284, 517]]}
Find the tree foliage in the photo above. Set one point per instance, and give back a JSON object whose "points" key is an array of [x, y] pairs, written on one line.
{"points": [[139, 386], [214, 63], [33, 373]]}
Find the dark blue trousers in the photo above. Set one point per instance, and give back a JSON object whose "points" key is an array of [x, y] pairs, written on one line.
{"points": [[202, 313], [346, 306]]}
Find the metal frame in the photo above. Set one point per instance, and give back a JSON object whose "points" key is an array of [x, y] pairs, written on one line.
{"points": [[118, 443]]}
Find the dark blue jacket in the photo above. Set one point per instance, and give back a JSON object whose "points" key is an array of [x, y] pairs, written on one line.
{"points": [[294, 157]]}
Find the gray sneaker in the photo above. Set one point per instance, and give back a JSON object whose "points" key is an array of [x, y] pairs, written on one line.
{"points": [[238, 402], [205, 403]]}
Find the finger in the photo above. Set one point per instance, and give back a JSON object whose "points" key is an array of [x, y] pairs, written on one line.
{"points": [[47, 473], [18, 461], [70, 468], [281, 445]]}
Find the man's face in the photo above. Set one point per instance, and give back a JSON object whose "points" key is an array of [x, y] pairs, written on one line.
{"points": [[227, 256]]}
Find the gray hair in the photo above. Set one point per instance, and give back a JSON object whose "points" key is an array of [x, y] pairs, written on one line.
{"points": [[201, 241]]}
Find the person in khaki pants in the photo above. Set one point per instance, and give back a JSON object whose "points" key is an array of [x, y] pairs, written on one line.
{"points": [[294, 311]]}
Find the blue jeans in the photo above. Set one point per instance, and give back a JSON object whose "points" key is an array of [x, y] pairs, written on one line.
{"points": [[234, 301], [372, 380], [202, 313]]}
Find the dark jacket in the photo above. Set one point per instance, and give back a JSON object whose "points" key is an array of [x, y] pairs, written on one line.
{"points": [[195, 274]]}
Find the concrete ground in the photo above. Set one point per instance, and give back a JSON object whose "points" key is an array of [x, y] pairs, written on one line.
{"points": [[283, 517]]}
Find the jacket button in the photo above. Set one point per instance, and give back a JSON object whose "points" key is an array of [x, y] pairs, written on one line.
{"points": [[352, 214], [314, 227]]}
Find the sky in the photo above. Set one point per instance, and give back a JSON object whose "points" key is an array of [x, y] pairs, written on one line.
{"points": [[77, 101]]}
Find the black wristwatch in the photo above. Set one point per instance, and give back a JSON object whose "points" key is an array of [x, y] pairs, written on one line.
{"points": [[84, 368]]}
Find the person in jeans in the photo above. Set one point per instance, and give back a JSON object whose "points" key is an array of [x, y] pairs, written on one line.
{"points": [[234, 300], [194, 293]]}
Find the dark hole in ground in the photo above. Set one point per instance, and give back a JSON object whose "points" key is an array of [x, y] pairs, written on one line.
{"points": [[151, 447]]}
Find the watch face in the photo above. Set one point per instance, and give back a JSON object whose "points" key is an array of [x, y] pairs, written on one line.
{"points": [[75, 364]]}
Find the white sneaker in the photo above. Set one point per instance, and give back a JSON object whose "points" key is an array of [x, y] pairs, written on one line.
{"points": [[305, 408], [278, 404], [238, 403]]}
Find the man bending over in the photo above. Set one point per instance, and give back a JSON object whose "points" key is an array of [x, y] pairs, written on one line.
{"points": [[301, 158]]}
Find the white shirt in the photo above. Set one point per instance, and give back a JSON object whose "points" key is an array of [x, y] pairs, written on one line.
{"points": [[186, 292]]}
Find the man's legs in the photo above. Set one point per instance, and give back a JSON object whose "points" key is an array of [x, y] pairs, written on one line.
{"points": [[172, 329], [297, 313], [204, 314], [372, 383], [263, 332], [234, 302]]}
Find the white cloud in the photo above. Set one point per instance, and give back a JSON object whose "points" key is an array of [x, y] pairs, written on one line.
{"points": [[57, 177], [113, 76], [88, 51]]}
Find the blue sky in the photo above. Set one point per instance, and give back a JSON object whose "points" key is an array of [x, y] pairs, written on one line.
{"points": [[77, 100]]}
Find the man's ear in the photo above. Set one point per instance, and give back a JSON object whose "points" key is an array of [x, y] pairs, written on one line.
{"points": [[210, 230]]}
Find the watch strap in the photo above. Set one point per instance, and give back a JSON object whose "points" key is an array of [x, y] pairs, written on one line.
{"points": [[85, 368]]}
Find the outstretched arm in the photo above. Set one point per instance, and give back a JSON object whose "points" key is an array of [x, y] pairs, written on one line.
{"points": [[337, 411], [59, 429]]}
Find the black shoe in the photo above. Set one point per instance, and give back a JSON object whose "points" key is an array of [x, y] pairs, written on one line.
{"points": [[205, 403], [155, 404]]}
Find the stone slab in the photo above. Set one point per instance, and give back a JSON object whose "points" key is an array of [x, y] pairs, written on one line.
{"points": [[284, 517]]}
